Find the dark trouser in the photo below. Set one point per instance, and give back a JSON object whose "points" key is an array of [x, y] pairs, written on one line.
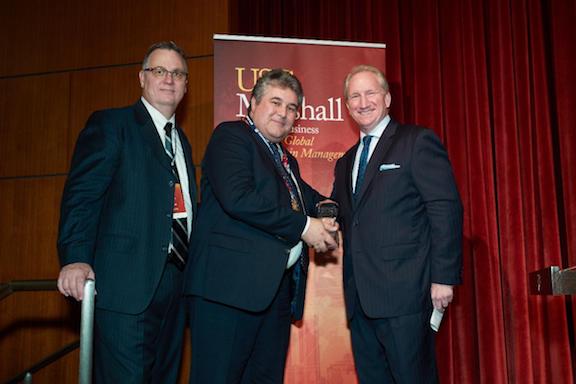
{"points": [[396, 350], [142, 348], [232, 346]]}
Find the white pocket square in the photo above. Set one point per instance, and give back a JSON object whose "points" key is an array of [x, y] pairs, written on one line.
{"points": [[387, 167]]}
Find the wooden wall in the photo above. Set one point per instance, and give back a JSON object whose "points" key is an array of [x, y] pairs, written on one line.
{"points": [[59, 61]]}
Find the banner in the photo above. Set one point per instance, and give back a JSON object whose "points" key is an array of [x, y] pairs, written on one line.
{"points": [[320, 349]]}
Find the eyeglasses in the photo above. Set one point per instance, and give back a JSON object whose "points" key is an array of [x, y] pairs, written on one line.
{"points": [[161, 72]]}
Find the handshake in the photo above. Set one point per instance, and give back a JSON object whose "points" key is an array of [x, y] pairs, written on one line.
{"points": [[322, 232]]}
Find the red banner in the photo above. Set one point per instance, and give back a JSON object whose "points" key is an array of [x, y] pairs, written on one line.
{"points": [[320, 346]]}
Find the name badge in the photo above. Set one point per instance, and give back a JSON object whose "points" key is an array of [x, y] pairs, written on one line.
{"points": [[179, 211]]}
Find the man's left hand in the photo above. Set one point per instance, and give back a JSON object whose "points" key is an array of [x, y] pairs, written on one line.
{"points": [[441, 295]]}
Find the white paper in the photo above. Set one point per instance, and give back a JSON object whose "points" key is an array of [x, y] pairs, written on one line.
{"points": [[436, 319]]}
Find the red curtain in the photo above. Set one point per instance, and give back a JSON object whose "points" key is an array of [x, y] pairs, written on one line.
{"points": [[496, 80]]}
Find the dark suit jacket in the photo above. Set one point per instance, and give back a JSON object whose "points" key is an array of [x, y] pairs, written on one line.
{"points": [[245, 226], [117, 204], [405, 229]]}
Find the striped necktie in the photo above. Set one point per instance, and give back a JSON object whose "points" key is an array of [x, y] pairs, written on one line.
{"points": [[178, 250]]}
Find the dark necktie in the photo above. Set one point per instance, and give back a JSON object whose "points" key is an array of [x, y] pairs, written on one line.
{"points": [[178, 250], [362, 163], [281, 163]]}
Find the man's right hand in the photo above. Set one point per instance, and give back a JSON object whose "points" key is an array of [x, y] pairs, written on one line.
{"points": [[318, 237], [72, 278]]}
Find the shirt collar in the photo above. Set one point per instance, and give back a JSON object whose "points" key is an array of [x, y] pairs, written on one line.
{"points": [[157, 117]]}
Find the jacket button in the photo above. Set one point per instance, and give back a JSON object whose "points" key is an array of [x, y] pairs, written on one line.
{"points": [[171, 183]]}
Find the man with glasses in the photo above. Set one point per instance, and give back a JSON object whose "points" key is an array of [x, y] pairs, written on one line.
{"points": [[401, 216], [126, 217]]}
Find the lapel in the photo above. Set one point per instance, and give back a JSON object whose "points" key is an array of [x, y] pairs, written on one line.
{"points": [[348, 173], [271, 163], [265, 150], [150, 134], [377, 157], [297, 178], [191, 172]]}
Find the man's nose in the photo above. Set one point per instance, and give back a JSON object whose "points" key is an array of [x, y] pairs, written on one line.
{"points": [[363, 101], [282, 110], [169, 77]]}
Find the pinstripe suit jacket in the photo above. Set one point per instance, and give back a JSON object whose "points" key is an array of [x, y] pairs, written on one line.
{"points": [[403, 230], [116, 211]]}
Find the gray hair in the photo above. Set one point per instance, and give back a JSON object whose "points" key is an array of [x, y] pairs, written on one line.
{"points": [[366, 68], [168, 45], [279, 78]]}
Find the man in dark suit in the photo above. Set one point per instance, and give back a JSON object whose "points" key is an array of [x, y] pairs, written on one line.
{"points": [[126, 216], [248, 272], [401, 216]]}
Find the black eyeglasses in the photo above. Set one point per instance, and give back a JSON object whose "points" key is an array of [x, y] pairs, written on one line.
{"points": [[162, 72]]}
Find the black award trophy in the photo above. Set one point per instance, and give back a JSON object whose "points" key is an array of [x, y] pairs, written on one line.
{"points": [[329, 210]]}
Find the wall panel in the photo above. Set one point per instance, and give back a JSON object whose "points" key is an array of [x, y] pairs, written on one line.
{"points": [[33, 324], [40, 36], [58, 63], [97, 89], [29, 224], [33, 124]]}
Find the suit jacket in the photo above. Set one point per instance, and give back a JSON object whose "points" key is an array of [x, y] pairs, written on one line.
{"points": [[116, 211], [246, 226], [403, 230]]}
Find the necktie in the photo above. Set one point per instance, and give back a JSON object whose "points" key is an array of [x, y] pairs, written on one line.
{"points": [[362, 163], [178, 250], [281, 163]]}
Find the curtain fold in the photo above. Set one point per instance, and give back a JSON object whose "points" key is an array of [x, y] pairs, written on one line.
{"points": [[495, 79]]}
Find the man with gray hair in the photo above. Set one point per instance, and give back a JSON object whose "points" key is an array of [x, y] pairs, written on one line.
{"points": [[126, 217], [401, 217], [247, 278]]}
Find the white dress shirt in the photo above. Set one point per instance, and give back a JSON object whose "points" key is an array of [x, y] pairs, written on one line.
{"points": [[159, 122], [375, 133]]}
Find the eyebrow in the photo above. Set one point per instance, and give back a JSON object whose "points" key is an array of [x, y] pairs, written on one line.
{"points": [[276, 98], [161, 66]]}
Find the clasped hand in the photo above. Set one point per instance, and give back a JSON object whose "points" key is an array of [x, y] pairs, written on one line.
{"points": [[320, 234]]}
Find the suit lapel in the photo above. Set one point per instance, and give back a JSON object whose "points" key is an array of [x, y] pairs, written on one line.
{"points": [[348, 173], [380, 151], [296, 171], [263, 148], [271, 164], [191, 173], [150, 134]]}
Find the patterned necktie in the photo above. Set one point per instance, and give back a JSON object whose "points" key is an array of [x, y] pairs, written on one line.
{"points": [[363, 163], [281, 163], [178, 250]]}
